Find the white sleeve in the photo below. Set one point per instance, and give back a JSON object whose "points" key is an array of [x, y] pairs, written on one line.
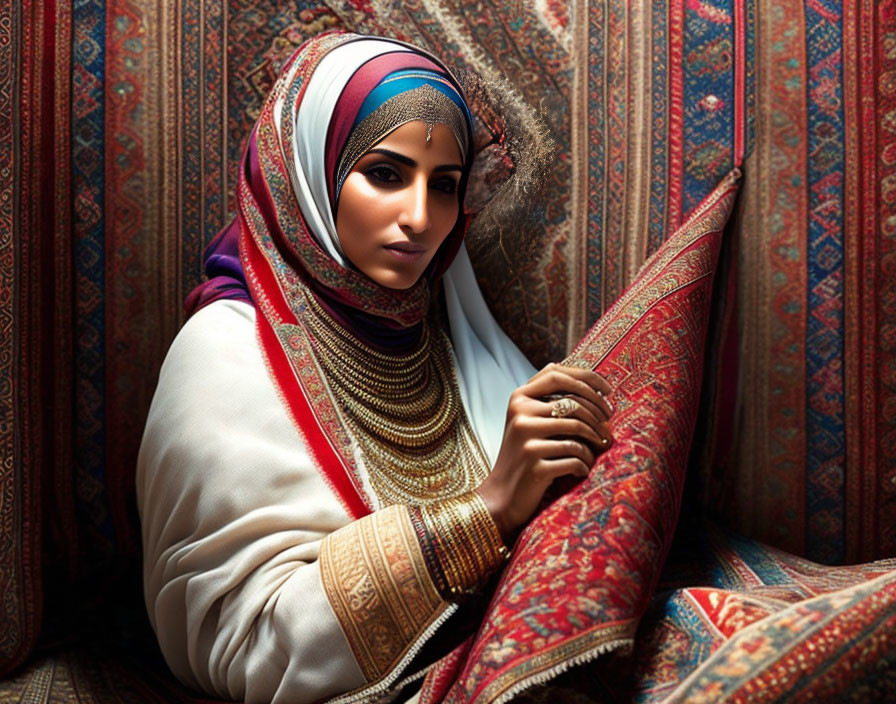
{"points": [[233, 513]]}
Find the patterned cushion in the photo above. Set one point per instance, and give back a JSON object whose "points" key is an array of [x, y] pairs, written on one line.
{"points": [[734, 620], [638, 97], [585, 569]]}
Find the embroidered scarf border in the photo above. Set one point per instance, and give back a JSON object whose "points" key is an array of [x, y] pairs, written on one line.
{"points": [[274, 284]]}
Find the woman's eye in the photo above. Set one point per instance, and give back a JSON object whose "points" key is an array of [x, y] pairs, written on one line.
{"points": [[383, 174], [446, 185]]}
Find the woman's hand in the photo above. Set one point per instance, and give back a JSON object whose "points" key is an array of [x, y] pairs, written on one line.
{"points": [[556, 425]]}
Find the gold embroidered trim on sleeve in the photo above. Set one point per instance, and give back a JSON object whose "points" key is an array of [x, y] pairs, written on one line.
{"points": [[376, 579]]}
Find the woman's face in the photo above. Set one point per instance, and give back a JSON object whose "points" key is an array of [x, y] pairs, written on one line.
{"points": [[399, 203]]}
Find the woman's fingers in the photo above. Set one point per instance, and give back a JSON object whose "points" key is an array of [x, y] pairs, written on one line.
{"points": [[600, 437], [555, 380], [557, 448], [554, 374], [550, 469], [574, 428], [575, 406], [557, 424], [606, 437], [566, 416], [591, 377]]}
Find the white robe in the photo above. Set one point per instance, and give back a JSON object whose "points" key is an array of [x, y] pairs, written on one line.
{"points": [[233, 512]]}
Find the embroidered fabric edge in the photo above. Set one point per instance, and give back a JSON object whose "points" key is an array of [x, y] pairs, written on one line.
{"points": [[376, 578]]}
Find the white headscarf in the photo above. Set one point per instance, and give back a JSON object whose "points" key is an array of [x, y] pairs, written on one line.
{"points": [[489, 365]]}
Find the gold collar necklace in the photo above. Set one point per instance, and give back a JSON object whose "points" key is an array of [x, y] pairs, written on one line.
{"points": [[404, 411]]}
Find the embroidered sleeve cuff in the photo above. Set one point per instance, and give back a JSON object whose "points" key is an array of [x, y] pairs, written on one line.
{"points": [[377, 580]]}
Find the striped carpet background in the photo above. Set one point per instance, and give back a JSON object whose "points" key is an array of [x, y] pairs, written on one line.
{"points": [[121, 124]]}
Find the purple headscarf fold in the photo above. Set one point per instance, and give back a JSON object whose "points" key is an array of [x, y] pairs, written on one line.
{"points": [[226, 279]]}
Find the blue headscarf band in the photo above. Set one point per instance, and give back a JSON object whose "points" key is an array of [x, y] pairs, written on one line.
{"points": [[406, 81], [403, 96]]}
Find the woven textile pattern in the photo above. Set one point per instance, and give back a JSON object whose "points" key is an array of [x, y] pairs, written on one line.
{"points": [[819, 632], [814, 470], [17, 612], [121, 127], [596, 551], [36, 343], [873, 349], [824, 330], [88, 174], [772, 626], [846, 652]]}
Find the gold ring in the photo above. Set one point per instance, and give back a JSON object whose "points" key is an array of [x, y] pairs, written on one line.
{"points": [[563, 407]]}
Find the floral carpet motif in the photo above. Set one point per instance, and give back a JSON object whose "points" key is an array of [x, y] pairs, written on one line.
{"points": [[584, 571], [125, 123]]}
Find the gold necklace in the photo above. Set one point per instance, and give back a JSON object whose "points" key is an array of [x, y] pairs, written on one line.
{"points": [[404, 411]]}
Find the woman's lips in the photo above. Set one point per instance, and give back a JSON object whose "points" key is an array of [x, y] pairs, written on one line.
{"points": [[405, 251]]}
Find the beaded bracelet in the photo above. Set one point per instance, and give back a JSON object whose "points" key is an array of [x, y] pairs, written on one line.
{"points": [[464, 540]]}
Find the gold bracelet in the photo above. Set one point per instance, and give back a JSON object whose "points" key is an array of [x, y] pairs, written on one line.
{"points": [[466, 541]]}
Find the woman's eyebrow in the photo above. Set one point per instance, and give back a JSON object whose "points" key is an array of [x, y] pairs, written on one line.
{"points": [[400, 158], [407, 161]]}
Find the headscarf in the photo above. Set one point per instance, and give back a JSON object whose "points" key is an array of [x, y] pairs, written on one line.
{"points": [[338, 96]]}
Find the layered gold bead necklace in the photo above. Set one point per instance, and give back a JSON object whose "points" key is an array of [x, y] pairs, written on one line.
{"points": [[404, 410]]}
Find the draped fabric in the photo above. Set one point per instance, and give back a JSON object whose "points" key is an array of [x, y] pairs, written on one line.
{"points": [[583, 571], [290, 251], [121, 126]]}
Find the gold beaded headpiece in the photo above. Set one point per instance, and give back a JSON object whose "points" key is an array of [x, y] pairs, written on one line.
{"points": [[387, 95]]}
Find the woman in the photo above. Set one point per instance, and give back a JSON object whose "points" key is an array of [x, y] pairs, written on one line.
{"points": [[343, 443]]}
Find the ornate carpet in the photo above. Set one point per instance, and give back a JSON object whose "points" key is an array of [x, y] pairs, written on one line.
{"points": [[735, 621], [121, 124]]}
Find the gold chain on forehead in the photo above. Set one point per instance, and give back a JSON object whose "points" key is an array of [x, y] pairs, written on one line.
{"points": [[424, 103]]}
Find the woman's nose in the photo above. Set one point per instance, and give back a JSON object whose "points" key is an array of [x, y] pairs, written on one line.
{"points": [[415, 210]]}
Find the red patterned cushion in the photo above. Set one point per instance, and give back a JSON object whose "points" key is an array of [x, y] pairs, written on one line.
{"points": [[837, 646], [584, 570]]}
